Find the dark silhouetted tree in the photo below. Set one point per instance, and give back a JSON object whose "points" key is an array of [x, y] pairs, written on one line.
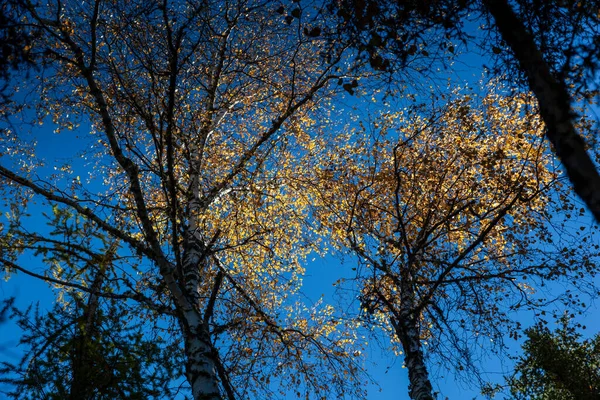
{"points": [[557, 365]]}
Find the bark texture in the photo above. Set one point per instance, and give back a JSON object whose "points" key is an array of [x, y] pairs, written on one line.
{"points": [[554, 102], [201, 370], [406, 325], [408, 333], [201, 367]]}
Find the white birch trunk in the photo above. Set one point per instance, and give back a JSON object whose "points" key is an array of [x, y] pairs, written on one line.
{"points": [[201, 371], [201, 368], [408, 333]]}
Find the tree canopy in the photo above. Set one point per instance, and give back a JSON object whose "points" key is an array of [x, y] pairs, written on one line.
{"points": [[557, 364], [550, 47], [183, 167], [209, 148], [449, 212]]}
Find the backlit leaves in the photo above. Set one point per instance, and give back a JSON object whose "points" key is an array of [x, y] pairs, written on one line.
{"points": [[453, 203]]}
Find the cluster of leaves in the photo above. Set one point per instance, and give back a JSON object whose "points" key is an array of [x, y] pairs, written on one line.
{"points": [[393, 34], [549, 47], [556, 365]]}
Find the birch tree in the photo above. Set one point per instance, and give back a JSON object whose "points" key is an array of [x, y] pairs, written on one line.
{"points": [[186, 119], [451, 211]]}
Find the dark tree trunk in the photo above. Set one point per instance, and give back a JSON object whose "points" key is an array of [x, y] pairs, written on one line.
{"points": [[554, 102], [406, 324], [85, 380]]}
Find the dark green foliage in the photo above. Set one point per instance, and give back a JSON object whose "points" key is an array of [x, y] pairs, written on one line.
{"points": [[92, 344], [557, 365], [74, 355]]}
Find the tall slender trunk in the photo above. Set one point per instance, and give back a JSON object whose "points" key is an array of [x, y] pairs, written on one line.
{"points": [[406, 324], [554, 102], [201, 370], [407, 332]]}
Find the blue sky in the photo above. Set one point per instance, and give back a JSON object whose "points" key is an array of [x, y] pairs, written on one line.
{"points": [[321, 273], [384, 368]]}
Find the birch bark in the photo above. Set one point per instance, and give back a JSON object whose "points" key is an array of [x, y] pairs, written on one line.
{"points": [[407, 332], [406, 325]]}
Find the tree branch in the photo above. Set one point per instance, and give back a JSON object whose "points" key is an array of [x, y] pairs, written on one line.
{"points": [[138, 246], [116, 296], [480, 238]]}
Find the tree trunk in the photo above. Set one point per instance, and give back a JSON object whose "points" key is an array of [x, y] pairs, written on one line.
{"points": [[85, 381], [406, 324], [407, 332], [201, 368], [554, 102]]}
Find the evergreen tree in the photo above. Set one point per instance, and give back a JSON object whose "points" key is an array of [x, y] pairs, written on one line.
{"points": [[557, 365]]}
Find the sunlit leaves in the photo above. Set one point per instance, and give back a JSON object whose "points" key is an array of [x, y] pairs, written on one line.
{"points": [[451, 209], [198, 120]]}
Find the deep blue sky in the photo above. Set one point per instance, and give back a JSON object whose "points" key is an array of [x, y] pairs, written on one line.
{"points": [[321, 273]]}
